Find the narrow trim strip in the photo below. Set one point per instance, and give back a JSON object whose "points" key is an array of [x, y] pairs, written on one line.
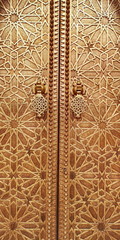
{"points": [[58, 142]]}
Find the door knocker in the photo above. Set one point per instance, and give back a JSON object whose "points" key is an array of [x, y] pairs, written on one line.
{"points": [[39, 103], [78, 103]]}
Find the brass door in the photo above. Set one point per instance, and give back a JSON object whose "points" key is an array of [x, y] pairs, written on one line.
{"points": [[89, 155], [59, 173], [28, 30]]}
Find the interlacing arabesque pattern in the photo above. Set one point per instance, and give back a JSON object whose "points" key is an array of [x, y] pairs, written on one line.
{"points": [[24, 175], [94, 191]]}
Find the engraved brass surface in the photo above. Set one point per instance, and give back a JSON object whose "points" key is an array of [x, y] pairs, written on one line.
{"points": [[27, 160], [39, 103], [90, 152], [78, 103], [88, 148]]}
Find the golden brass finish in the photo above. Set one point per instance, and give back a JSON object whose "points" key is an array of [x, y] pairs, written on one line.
{"points": [[78, 88], [40, 87], [39, 103], [28, 145], [59, 173], [78, 103], [89, 150]]}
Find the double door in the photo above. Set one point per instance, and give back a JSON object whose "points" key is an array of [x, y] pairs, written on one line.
{"points": [[59, 171]]}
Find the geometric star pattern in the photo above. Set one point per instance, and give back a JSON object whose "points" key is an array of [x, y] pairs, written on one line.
{"points": [[25, 197], [89, 171], [94, 173]]}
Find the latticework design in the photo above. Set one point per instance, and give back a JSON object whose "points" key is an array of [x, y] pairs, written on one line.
{"points": [[78, 105], [91, 176], [39, 105]]}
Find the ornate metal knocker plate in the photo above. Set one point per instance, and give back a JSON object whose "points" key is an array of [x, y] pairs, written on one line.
{"points": [[39, 103], [78, 103]]}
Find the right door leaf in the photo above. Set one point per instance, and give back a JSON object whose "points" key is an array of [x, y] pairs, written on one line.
{"points": [[93, 172]]}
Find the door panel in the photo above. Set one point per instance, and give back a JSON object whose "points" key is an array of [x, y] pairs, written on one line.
{"points": [[87, 153], [89, 172], [28, 143]]}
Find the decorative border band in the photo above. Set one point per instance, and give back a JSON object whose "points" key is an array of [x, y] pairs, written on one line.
{"points": [[64, 121], [53, 121]]}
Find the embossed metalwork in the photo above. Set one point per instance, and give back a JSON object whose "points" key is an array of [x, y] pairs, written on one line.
{"points": [[64, 122], [39, 103], [78, 103], [89, 176], [28, 145], [88, 149]]}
